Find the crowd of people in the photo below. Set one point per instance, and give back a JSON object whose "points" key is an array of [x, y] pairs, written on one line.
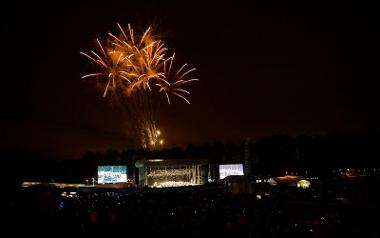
{"points": [[199, 211], [168, 212]]}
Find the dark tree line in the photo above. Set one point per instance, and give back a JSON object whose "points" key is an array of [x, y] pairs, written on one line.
{"points": [[318, 154], [271, 155]]}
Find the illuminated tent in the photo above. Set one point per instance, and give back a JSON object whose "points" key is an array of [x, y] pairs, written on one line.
{"points": [[303, 184]]}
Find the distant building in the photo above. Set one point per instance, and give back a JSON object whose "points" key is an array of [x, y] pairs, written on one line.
{"points": [[236, 184], [289, 180]]}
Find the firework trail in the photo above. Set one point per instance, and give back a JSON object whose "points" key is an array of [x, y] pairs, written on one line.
{"points": [[135, 69]]}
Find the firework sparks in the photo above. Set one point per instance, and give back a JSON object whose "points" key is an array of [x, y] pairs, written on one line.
{"points": [[135, 66], [177, 80]]}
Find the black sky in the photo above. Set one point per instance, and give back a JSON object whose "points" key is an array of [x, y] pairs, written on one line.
{"points": [[264, 68]]}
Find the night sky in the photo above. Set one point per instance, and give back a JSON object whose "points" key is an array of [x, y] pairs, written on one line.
{"points": [[265, 69]]}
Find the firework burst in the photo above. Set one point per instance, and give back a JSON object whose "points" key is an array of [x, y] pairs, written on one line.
{"points": [[135, 67]]}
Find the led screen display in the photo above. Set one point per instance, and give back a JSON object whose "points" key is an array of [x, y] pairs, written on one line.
{"points": [[112, 174], [230, 169]]}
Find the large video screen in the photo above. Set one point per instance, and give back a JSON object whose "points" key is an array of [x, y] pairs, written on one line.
{"points": [[230, 169], [112, 174]]}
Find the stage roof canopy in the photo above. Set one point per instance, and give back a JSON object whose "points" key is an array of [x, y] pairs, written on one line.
{"points": [[164, 162]]}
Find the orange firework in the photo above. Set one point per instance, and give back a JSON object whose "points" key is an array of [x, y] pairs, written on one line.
{"points": [[177, 80], [136, 66]]}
